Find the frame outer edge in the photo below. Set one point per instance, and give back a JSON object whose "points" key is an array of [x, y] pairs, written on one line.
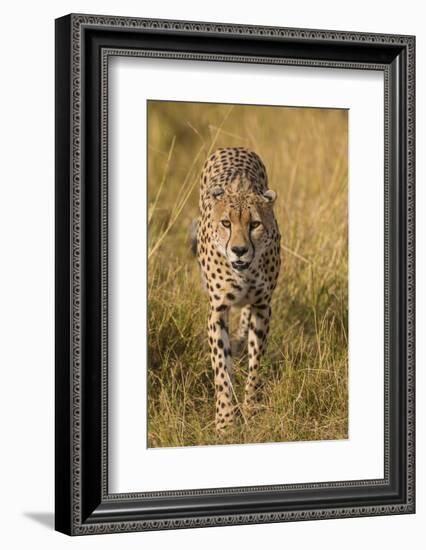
{"points": [[77, 257], [77, 22], [62, 276]]}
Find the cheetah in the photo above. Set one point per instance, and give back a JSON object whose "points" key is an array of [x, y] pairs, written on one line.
{"points": [[237, 244]]}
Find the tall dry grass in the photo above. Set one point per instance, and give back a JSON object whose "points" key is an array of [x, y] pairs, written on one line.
{"points": [[305, 370]]}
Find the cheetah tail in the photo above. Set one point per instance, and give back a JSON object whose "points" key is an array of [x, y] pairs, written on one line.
{"points": [[193, 236]]}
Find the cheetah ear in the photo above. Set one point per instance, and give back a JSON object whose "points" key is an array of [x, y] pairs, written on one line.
{"points": [[217, 192], [269, 196]]}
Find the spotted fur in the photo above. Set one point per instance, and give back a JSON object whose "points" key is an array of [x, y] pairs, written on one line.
{"points": [[238, 250]]}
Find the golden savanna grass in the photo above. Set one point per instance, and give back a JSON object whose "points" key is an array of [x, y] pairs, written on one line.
{"points": [[304, 389]]}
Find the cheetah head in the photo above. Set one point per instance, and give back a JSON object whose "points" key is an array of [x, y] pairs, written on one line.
{"points": [[243, 225]]}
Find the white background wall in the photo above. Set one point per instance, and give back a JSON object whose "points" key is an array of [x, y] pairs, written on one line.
{"points": [[26, 288]]}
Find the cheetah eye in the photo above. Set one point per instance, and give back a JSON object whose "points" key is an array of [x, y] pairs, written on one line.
{"points": [[253, 225], [226, 223]]}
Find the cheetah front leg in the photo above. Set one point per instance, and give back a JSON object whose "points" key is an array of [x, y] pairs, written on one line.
{"points": [[221, 359], [257, 335], [239, 343]]}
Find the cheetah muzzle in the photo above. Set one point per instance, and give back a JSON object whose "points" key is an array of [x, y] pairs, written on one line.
{"points": [[237, 243], [239, 265]]}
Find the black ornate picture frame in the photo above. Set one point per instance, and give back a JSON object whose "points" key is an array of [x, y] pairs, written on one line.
{"points": [[84, 43]]}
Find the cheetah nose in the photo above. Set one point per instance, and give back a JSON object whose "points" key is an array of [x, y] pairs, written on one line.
{"points": [[239, 250]]}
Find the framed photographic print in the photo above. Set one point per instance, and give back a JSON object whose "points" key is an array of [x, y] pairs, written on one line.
{"points": [[234, 274]]}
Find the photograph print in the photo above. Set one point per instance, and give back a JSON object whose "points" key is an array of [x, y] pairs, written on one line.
{"points": [[247, 274]]}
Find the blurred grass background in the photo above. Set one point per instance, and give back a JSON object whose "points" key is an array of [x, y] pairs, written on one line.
{"points": [[304, 373]]}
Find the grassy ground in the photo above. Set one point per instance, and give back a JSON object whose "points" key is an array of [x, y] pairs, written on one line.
{"points": [[305, 369]]}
